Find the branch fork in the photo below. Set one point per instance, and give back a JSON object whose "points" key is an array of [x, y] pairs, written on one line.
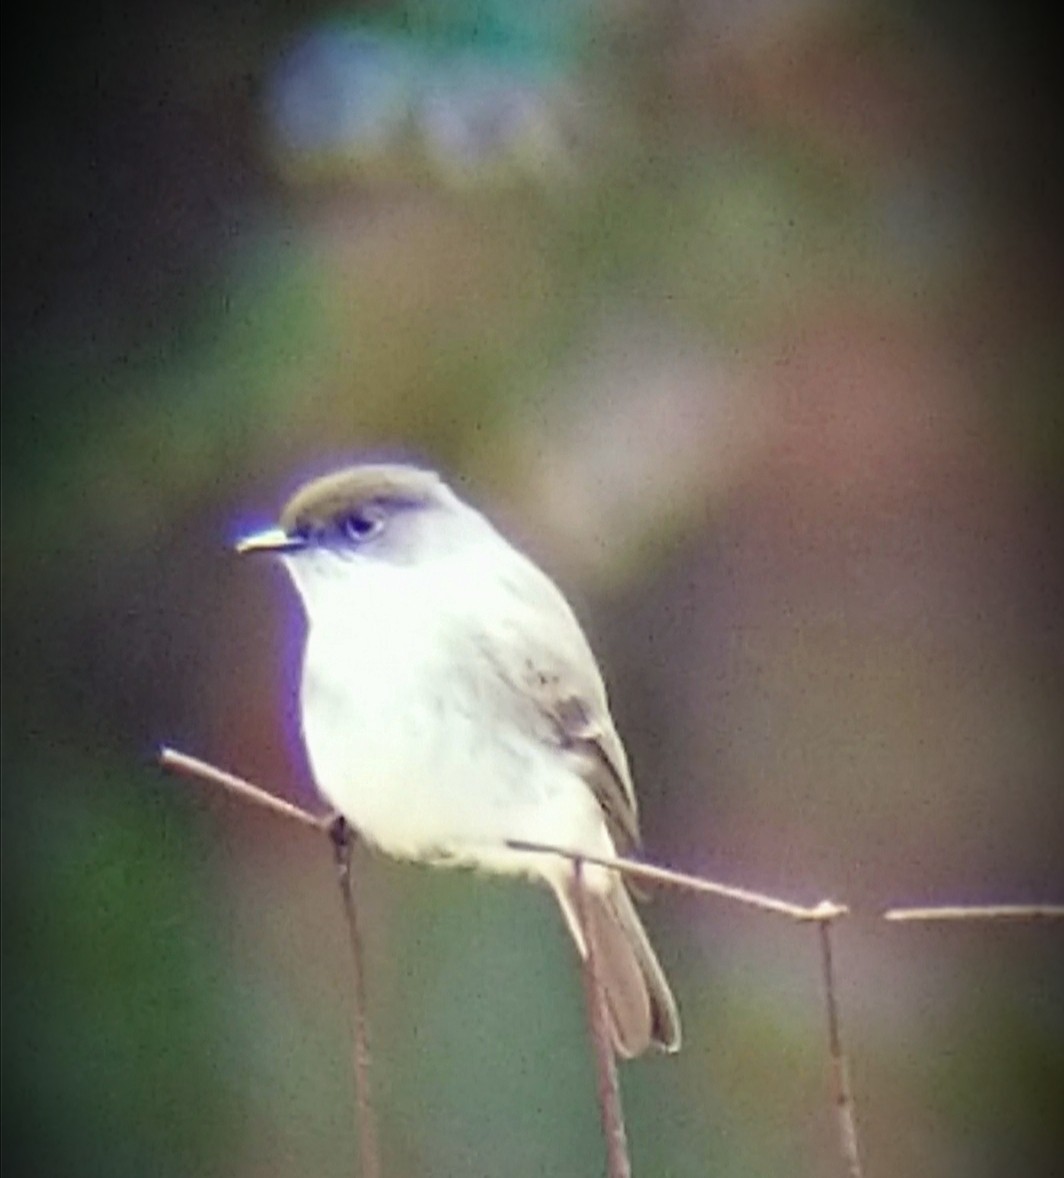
{"points": [[823, 915]]}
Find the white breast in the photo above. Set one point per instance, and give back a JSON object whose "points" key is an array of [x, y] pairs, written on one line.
{"points": [[405, 736]]}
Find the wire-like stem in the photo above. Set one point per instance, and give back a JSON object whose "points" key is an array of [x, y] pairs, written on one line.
{"points": [[823, 915], [1006, 912], [342, 838], [826, 910], [193, 767], [840, 1068], [611, 1114]]}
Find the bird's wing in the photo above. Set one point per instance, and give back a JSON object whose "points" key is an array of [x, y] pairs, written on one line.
{"points": [[592, 739], [550, 665]]}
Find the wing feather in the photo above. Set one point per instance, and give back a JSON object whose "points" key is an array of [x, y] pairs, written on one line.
{"points": [[550, 668]]}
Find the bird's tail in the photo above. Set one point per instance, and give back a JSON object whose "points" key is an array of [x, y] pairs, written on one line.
{"points": [[642, 1011]]}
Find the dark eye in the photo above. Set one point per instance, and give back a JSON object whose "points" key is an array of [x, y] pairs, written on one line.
{"points": [[360, 525]]}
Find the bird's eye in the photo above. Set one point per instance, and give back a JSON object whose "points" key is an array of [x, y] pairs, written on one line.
{"points": [[359, 526]]}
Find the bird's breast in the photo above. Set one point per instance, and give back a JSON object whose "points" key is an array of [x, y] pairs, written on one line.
{"points": [[412, 734], [401, 740]]}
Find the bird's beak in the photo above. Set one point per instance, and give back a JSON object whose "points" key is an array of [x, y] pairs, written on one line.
{"points": [[269, 540]]}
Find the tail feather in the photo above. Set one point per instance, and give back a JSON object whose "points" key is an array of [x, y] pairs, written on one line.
{"points": [[642, 1010]]}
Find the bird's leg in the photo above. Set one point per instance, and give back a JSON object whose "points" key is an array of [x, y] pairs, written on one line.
{"points": [[342, 838]]}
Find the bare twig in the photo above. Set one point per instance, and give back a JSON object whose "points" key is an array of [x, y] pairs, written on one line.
{"points": [[1017, 912], [823, 915], [825, 911], [193, 767], [840, 1069], [340, 836], [618, 1163]]}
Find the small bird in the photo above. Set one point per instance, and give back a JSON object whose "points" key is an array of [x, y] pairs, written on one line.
{"points": [[450, 702]]}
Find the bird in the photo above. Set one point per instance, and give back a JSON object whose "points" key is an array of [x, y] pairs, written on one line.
{"points": [[450, 704]]}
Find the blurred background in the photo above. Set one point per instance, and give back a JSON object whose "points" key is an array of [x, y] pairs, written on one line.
{"points": [[745, 321]]}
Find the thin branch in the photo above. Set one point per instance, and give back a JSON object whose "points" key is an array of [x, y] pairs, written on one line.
{"points": [[823, 915], [186, 766], [618, 1163], [840, 1068], [1018, 912], [824, 912], [342, 838]]}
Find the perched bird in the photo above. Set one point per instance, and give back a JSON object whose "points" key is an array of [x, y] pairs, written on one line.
{"points": [[450, 702]]}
